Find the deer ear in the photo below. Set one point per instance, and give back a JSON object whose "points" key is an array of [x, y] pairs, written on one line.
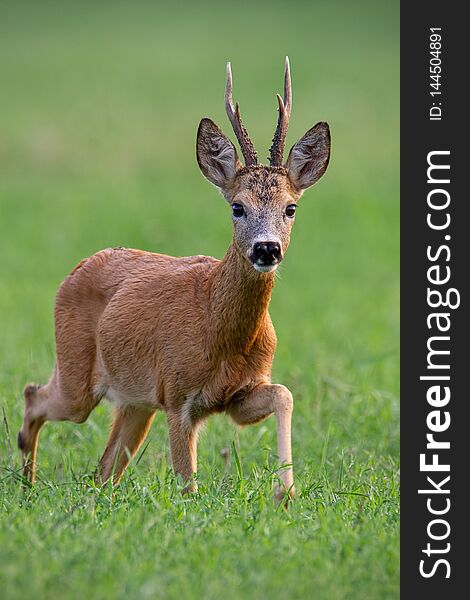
{"points": [[216, 155], [308, 158]]}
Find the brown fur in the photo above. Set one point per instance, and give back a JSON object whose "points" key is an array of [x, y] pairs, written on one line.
{"points": [[129, 324]]}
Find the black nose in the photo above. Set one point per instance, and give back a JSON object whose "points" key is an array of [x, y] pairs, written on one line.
{"points": [[267, 253]]}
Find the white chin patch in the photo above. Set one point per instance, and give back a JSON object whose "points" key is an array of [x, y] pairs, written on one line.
{"points": [[265, 268]]}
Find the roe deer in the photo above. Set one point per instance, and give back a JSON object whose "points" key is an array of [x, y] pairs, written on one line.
{"points": [[190, 336]]}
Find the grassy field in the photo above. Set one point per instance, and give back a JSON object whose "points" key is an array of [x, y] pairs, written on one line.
{"points": [[98, 114]]}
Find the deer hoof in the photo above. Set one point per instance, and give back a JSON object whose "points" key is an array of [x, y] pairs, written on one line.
{"points": [[283, 495]]}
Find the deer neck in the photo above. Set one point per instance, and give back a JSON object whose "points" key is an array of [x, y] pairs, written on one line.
{"points": [[239, 301]]}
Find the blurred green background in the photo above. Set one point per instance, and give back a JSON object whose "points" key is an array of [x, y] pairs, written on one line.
{"points": [[99, 107]]}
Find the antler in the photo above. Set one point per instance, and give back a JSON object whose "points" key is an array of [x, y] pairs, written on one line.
{"points": [[285, 106], [233, 114]]}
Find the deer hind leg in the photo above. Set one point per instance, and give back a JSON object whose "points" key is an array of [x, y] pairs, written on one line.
{"points": [[28, 436], [46, 403], [261, 402], [130, 427]]}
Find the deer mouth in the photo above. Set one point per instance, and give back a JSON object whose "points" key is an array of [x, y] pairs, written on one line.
{"points": [[265, 268], [265, 264]]}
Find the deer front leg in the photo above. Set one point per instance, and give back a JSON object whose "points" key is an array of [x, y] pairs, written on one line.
{"points": [[130, 427], [261, 402], [183, 446]]}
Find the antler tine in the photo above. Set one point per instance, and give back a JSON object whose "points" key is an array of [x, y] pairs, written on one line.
{"points": [[287, 87], [233, 114], [285, 107]]}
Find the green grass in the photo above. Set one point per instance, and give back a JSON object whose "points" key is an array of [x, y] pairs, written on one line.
{"points": [[98, 114]]}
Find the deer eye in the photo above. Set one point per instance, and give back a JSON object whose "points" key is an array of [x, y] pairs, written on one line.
{"points": [[290, 210], [237, 210]]}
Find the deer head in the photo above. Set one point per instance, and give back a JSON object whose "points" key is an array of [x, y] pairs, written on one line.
{"points": [[263, 198]]}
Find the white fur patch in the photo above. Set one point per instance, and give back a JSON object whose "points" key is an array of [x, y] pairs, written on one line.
{"points": [[265, 268]]}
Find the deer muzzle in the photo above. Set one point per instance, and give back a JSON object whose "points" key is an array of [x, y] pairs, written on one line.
{"points": [[266, 255]]}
